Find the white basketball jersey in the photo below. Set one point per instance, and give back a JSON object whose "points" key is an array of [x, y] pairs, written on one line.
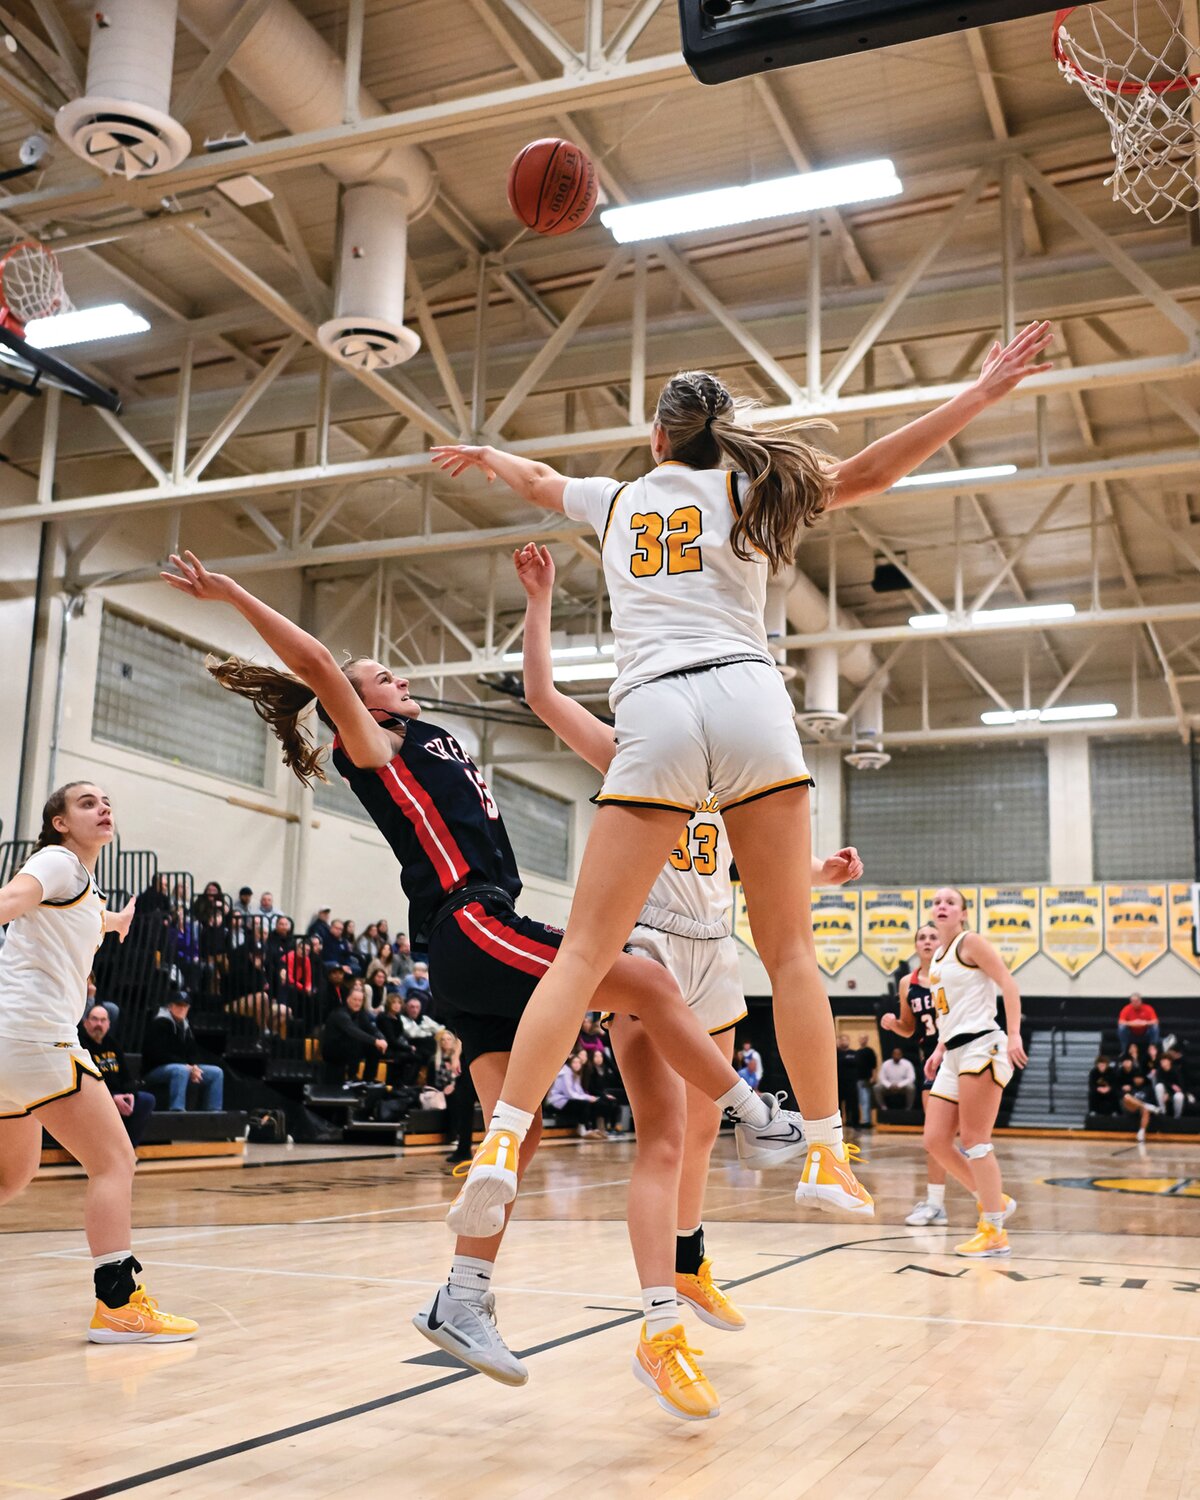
{"points": [[679, 596], [47, 954], [963, 996], [693, 896]]}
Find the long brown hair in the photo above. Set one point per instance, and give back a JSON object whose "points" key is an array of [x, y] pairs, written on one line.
{"points": [[281, 700], [56, 806], [790, 483]]}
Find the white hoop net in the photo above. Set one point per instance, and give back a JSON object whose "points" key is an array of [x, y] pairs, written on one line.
{"points": [[1143, 74], [31, 284]]}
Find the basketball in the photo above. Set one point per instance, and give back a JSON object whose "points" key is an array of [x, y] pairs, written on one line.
{"points": [[552, 186]]}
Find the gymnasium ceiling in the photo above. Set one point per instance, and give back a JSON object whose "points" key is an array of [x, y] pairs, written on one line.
{"points": [[1111, 442]]}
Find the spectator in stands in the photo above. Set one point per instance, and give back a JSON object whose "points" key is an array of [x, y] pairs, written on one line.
{"points": [[897, 1084], [156, 898], [1138, 1022], [402, 964], [377, 991], [368, 944], [417, 983], [185, 942], [1141, 1101], [350, 933], [265, 908], [865, 1062], [280, 939], [750, 1068], [212, 899], [445, 1074], [847, 1080], [338, 950], [336, 984], [1103, 1098], [591, 1036], [1173, 1097], [350, 1036], [135, 1106], [601, 1080], [382, 962], [401, 1054], [171, 1059], [113, 1011], [244, 905], [571, 1102], [421, 1030]]}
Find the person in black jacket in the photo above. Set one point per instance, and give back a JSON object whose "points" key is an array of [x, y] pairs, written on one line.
{"points": [[134, 1105], [403, 1062], [171, 1059], [1103, 1097], [350, 1036]]}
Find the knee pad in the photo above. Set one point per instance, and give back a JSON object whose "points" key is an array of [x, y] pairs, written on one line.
{"points": [[976, 1153]]}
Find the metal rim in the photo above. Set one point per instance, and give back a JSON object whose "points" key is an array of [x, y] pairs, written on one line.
{"points": [[1069, 65]]}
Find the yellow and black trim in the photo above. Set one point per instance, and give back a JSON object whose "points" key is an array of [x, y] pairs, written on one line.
{"points": [[767, 791], [74, 901], [975, 1072], [933, 1094], [652, 802], [729, 1025], [731, 491], [81, 1071], [620, 490]]}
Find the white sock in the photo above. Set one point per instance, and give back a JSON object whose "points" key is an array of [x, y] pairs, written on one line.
{"points": [[826, 1132], [995, 1220], [509, 1117], [744, 1104], [661, 1307], [469, 1277], [113, 1258], [935, 1193]]}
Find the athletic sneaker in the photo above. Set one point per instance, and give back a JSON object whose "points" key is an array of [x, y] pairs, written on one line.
{"points": [[673, 1373], [707, 1300], [926, 1214], [491, 1184], [828, 1181], [984, 1242], [466, 1328], [772, 1144], [138, 1322], [1010, 1207]]}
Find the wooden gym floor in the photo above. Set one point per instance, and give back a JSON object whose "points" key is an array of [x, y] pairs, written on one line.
{"points": [[876, 1363]]}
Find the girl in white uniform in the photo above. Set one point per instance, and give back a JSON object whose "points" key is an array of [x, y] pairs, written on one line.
{"points": [[57, 918], [686, 926], [972, 1063], [700, 710]]}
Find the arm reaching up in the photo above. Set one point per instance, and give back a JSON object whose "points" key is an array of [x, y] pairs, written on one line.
{"points": [[538, 483]]}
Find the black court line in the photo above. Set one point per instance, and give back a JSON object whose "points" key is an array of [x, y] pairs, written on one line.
{"points": [[346, 1414]]}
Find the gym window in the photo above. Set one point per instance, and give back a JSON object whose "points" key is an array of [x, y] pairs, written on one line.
{"points": [[539, 826]]}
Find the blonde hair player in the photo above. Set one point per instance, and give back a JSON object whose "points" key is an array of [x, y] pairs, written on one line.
{"points": [[686, 927], [57, 917], [700, 709], [971, 1064]]}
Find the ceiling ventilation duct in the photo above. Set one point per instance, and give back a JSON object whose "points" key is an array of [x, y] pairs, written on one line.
{"points": [[775, 619], [122, 124], [820, 715], [372, 243], [868, 753]]}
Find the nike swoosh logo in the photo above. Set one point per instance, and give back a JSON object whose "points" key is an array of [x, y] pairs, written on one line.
{"points": [[794, 1133], [664, 1303], [654, 1368], [127, 1325], [434, 1321]]}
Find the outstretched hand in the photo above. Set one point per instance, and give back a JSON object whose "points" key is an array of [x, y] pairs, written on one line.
{"points": [[535, 569], [193, 578], [457, 458], [119, 921], [841, 867], [1005, 368]]}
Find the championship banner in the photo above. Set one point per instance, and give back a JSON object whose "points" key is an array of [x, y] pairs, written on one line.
{"points": [[1135, 924], [971, 892], [889, 924], [836, 927], [1180, 897], [1010, 920], [1072, 925]]}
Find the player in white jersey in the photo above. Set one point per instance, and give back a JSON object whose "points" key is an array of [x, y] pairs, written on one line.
{"points": [[686, 926], [972, 1062], [700, 709], [57, 917]]}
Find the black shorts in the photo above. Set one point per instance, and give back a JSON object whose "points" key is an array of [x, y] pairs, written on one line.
{"points": [[484, 962]]}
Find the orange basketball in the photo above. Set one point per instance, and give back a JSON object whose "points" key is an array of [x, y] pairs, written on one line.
{"points": [[552, 186]]}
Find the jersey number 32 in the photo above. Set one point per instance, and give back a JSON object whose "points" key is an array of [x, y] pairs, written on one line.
{"points": [[675, 539]]}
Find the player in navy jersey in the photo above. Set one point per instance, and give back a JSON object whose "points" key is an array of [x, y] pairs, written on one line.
{"points": [[429, 800]]}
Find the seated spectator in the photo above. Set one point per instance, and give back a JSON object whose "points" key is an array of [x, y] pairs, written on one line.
{"points": [[155, 900], [377, 991], [571, 1102], [319, 926], [847, 1080], [1138, 1022], [350, 934], [212, 899], [113, 1010], [280, 940], [601, 1079], [401, 1054], [1103, 1097], [591, 1035], [382, 962], [334, 981], [171, 1059], [417, 983], [350, 1037], [368, 944], [865, 1063], [382, 932], [1134, 1053], [749, 1065], [338, 950], [421, 1030], [402, 963], [244, 905], [1140, 1100], [439, 1091], [897, 1084], [184, 934], [1173, 1097], [134, 1106], [265, 908]]}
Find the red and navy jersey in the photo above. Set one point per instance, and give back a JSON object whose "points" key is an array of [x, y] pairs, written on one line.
{"points": [[435, 810], [920, 1002]]}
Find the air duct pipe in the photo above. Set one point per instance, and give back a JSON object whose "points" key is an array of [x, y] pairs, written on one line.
{"points": [[808, 614], [868, 753], [775, 619], [820, 715]]}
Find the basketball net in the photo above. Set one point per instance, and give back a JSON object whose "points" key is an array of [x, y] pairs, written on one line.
{"points": [[1144, 77], [31, 285]]}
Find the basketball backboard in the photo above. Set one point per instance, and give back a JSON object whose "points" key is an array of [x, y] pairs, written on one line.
{"points": [[24, 368]]}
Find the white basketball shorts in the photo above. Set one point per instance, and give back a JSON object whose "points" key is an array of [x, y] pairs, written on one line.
{"points": [[990, 1051], [705, 969], [33, 1073]]}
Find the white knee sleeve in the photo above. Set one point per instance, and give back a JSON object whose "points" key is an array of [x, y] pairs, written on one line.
{"points": [[975, 1153]]}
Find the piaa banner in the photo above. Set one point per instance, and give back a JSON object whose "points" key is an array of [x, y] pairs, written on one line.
{"points": [[1072, 925], [836, 929], [1010, 919], [889, 924], [1182, 922], [971, 892], [1135, 925]]}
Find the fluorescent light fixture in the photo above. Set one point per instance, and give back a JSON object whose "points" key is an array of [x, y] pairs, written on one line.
{"points": [[85, 325], [955, 476], [245, 190], [1019, 614], [774, 199], [1050, 715], [565, 653], [599, 671], [928, 622]]}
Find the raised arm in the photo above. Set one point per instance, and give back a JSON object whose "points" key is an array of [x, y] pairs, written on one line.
{"points": [[890, 458], [590, 738], [366, 742], [976, 949], [538, 483]]}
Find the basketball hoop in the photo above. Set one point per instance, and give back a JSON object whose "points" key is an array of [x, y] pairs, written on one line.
{"points": [[31, 285], [1144, 77]]}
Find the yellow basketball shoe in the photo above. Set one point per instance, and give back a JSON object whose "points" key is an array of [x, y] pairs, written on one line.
{"points": [[670, 1369], [707, 1300], [491, 1184], [828, 1182], [138, 1322], [1010, 1207], [984, 1242]]}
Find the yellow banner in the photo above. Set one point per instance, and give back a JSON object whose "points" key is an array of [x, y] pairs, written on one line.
{"points": [[1180, 897], [1009, 917], [971, 892], [835, 927], [1135, 924], [889, 922], [1072, 925]]}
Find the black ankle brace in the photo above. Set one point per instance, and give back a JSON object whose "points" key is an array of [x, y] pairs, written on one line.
{"points": [[116, 1282]]}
